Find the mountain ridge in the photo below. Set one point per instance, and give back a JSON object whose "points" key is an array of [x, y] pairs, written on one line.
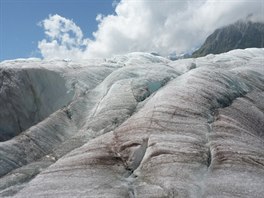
{"points": [[240, 35]]}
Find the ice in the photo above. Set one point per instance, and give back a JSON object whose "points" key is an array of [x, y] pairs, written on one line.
{"points": [[135, 125]]}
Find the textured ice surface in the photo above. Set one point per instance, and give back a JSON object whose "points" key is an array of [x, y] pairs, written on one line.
{"points": [[134, 126]]}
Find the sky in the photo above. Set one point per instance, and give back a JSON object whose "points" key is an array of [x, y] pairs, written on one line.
{"points": [[19, 29], [80, 29]]}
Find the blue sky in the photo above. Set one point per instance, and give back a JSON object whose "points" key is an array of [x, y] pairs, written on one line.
{"points": [[19, 32], [67, 26]]}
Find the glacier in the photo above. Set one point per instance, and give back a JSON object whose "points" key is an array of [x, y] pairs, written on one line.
{"points": [[134, 125]]}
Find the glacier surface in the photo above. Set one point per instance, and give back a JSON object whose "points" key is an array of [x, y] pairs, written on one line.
{"points": [[136, 125]]}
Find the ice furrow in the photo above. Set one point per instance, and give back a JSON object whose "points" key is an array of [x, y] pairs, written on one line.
{"points": [[145, 130]]}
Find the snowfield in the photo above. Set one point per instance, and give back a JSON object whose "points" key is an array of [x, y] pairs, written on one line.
{"points": [[136, 125]]}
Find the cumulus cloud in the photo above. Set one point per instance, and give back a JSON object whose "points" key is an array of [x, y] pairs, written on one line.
{"points": [[64, 39], [150, 26]]}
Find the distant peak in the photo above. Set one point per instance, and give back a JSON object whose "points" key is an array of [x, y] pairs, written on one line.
{"points": [[242, 34]]}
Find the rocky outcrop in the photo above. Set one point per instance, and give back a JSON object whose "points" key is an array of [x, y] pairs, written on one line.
{"points": [[240, 35], [149, 128]]}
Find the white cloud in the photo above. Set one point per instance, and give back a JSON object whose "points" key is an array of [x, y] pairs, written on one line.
{"points": [[153, 26], [64, 39]]}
